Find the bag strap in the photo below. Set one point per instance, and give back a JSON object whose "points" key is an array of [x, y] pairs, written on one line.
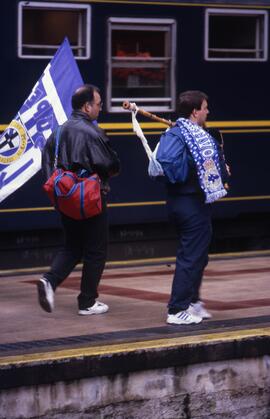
{"points": [[59, 178], [57, 140]]}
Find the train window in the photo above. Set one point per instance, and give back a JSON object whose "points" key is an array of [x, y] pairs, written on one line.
{"points": [[42, 27], [141, 63], [236, 35]]}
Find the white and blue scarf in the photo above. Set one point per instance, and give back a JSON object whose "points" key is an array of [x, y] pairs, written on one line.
{"points": [[204, 152]]}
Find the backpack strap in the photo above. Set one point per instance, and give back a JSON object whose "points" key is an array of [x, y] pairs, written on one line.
{"points": [[57, 140]]}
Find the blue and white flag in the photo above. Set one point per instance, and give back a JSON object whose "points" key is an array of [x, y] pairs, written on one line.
{"points": [[48, 105]]}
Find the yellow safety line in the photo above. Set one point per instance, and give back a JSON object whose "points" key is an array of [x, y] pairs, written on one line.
{"points": [[128, 133], [244, 131], [171, 259], [245, 198], [128, 125], [9, 210], [250, 253], [210, 124], [223, 131], [156, 125], [184, 341], [225, 124], [136, 204], [148, 261]]}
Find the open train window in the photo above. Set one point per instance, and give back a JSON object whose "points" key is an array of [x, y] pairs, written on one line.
{"points": [[236, 35], [141, 63], [43, 26]]}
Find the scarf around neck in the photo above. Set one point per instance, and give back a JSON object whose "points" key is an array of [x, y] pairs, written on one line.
{"points": [[204, 152]]}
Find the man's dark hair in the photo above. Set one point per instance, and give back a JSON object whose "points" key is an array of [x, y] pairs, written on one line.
{"points": [[189, 100], [82, 95]]}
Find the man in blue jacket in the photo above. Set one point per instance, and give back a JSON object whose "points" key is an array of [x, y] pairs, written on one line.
{"points": [[195, 173]]}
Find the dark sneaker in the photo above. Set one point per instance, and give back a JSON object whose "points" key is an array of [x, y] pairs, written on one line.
{"points": [[45, 295], [97, 308]]}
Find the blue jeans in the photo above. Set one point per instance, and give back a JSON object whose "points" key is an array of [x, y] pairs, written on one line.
{"points": [[86, 241], [192, 220]]}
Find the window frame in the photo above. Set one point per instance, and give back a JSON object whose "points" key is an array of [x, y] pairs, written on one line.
{"points": [[55, 5], [143, 24], [234, 12]]}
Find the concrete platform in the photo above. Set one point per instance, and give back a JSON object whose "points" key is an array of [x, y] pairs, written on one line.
{"points": [[40, 350], [234, 288]]}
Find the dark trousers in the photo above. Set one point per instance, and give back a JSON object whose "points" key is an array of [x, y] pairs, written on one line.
{"points": [[86, 241], [192, 220]]}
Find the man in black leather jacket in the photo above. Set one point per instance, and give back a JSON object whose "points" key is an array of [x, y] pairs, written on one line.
{"points": [[82, 146]]}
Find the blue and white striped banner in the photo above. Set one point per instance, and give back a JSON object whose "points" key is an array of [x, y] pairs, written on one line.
{"points": [[48, 106]]}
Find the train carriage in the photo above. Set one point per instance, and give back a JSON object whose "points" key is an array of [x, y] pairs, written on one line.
{"points": [[147, 52]]}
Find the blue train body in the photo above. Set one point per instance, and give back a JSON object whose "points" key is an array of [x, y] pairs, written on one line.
{"points": [[147, 52]]}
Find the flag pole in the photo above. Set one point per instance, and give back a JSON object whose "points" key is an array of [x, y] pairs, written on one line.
{"points": [[132, 107]]}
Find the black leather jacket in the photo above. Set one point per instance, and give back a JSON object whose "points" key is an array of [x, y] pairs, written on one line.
{"points": [[82, 145]]}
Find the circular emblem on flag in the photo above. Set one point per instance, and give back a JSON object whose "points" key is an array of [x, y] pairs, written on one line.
{"points": [[13, 143]]}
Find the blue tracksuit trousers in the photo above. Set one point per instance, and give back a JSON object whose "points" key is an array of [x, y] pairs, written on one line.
{"points": [[192, 219]]}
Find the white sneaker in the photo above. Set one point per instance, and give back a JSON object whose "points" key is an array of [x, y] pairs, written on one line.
{"points": [[198, 309], [97, 308], [183, 317], [45, 295]]}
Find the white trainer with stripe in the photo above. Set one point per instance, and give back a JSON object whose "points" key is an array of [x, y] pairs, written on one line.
{"points": [[183, 317]]}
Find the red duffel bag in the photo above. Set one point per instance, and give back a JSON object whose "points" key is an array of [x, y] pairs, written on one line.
{"points": [[77, 197]]}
